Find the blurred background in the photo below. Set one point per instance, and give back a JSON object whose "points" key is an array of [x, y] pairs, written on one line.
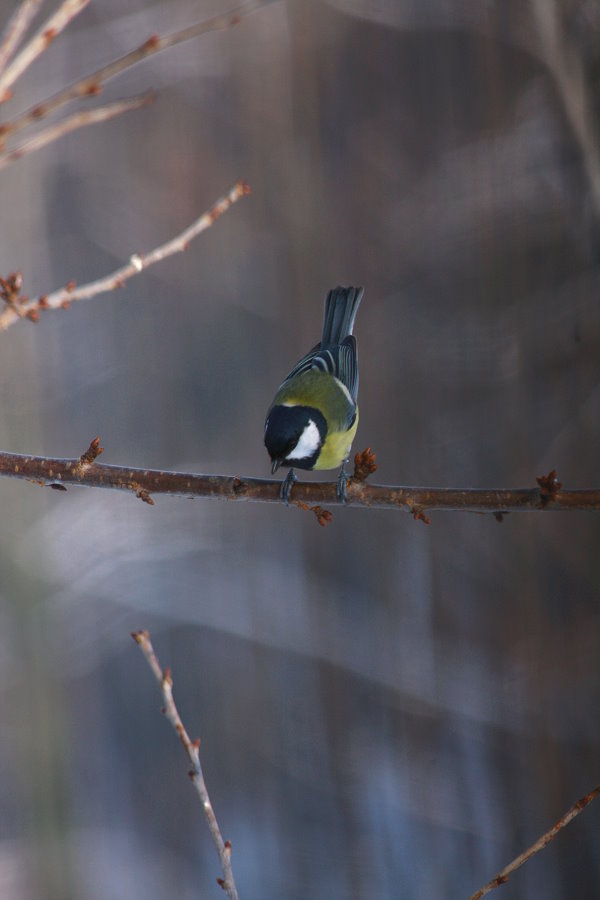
{"points": [[387, 709]]}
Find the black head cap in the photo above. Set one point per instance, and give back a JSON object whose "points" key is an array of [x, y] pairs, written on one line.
{"points": [[294, 430]]}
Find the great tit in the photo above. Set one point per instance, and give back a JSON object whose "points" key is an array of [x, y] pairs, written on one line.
{"points": [[313, 418]]}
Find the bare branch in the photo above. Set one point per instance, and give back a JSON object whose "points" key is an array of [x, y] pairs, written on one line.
{"points": [[142, 639], [148, 482], [78, 120], [91, 84], [503, 876], [566, 67], [16, 28], [51, 28], [23, 307]]}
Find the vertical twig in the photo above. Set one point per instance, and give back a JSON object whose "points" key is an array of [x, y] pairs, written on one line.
{"points": [[566, 67], [142, 639]]}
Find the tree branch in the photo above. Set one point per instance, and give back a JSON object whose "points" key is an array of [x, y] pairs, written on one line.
{"points": [[16, 28], [142, 639], [51, 28], [57, 473], [565, 64], [72, 123], [21, 307], [90, 86], [503, 876]]}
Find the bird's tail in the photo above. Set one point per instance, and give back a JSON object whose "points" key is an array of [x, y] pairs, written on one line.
{"points": [[341, 305]]}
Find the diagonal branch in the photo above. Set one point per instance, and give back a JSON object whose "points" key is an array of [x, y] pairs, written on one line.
{"points": [[548, 496], [91, 84], [72, 123], [503, 876], [51, 28], [22, 307], [16, 28], [142, 639]]}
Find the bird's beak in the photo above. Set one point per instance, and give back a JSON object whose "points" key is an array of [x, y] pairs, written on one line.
{"points": [[275, 466]]}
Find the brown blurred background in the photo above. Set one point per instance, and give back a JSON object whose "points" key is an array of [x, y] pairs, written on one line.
{"points": [[387, 710]]}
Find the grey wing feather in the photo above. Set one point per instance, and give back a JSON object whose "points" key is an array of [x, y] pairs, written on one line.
{"points": [[347, 367], [340, 361], [302, 365], [336, 352]]}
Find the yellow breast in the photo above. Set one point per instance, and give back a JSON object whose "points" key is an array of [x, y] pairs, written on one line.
{"points": [[336, 448]]}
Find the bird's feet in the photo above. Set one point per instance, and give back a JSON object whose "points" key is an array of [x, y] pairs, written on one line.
{"points": [[341, 483], [286, 486]]}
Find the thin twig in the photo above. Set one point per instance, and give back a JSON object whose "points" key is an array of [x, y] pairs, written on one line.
{"points": [[72, 123], [142, 639], [91, 84], [63, 297], [16, 28], [503, 876], [565, 64], [51, 28], [148, 482]]}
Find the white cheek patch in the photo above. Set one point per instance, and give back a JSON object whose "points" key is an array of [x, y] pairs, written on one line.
{"points": [[308, 442]]}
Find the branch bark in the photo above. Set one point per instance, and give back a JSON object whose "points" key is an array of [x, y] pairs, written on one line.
{"points": [[145, 483], [15, 31], [91, 85], [503, 876], [78, 120], [21, 307], [565, 64], [51, 28], [142, 639]]}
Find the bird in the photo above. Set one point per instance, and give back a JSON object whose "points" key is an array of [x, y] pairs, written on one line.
{"points": [[313, 418]]}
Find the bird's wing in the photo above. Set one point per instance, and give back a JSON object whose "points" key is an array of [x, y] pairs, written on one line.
{"points": [[303, 365], [348, 365], [340, 361]]}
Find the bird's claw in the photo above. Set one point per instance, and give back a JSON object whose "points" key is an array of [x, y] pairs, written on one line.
{"points": [[342, 481], [286, 486]]}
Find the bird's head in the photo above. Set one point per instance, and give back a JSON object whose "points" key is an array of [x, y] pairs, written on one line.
{"points": [[294, 435]]}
